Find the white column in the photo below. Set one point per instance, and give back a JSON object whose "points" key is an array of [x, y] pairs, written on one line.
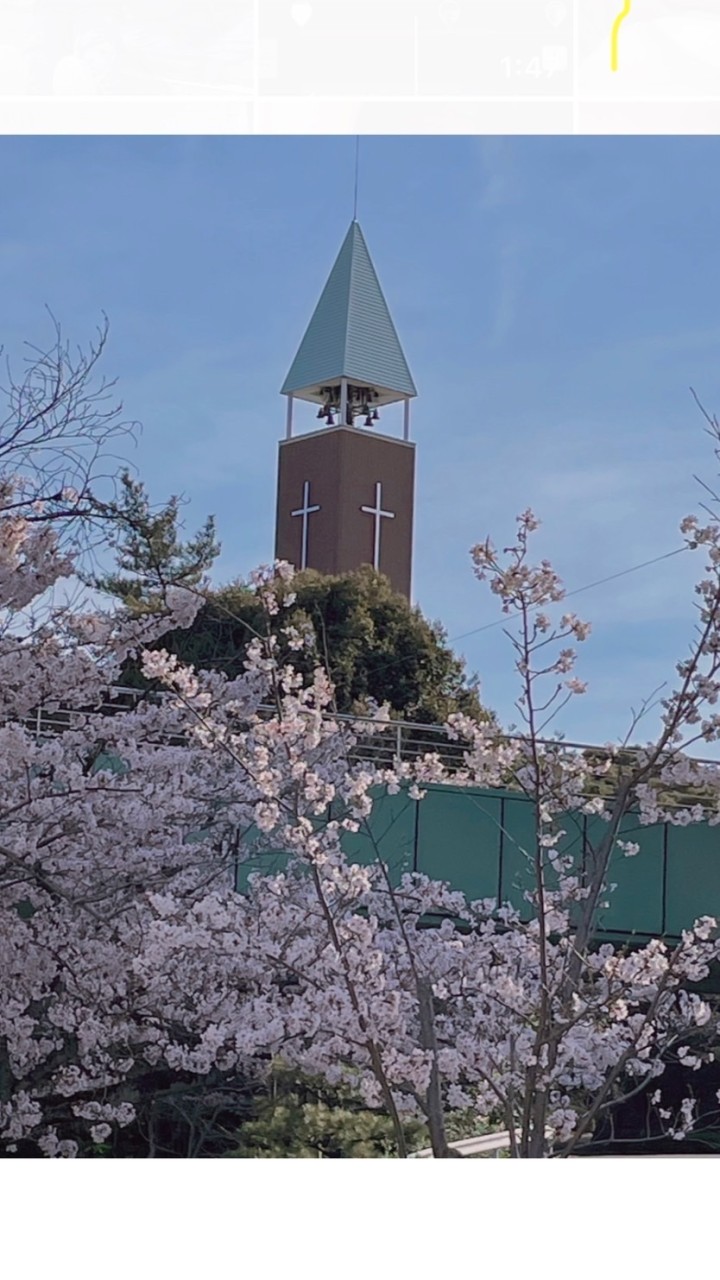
{"points": [[305, 511], [289, 419], [406, 419], [379, 515], [343, 401]]}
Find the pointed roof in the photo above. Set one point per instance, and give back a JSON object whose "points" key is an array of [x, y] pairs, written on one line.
{"points": [[351, 333]]}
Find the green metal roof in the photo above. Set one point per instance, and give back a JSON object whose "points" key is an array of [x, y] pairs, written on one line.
{"points": [[351, 334]]}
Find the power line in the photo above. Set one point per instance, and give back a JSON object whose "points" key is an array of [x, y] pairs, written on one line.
{"points": [[577, 590], [400, 660]]}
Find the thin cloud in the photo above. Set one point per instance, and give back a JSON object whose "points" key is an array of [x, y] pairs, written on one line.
{"points": [[500, 191]]}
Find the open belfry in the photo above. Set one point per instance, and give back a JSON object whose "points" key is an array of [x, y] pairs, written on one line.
{"points": [[345, 491]]}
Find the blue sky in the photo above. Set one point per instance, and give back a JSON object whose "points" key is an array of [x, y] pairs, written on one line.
{"points": [[555, 297]]}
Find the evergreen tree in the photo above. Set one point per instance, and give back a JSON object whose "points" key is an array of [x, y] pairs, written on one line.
{"points": [[302, 1118], [374, 644], [150, 554]]}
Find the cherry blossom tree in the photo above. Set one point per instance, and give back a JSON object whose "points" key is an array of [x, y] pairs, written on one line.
{"points": [[127, 954], [126, 946], [524, 1019], [60, 426]]}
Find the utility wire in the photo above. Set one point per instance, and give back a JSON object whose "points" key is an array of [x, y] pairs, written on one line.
{"points": [[399, 660], [576, 590]]}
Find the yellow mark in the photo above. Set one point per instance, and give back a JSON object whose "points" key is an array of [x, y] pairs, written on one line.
{"points": [[627, 6]]}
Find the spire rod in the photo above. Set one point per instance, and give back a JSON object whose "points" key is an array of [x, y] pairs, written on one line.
{"points": [[357, 171]]}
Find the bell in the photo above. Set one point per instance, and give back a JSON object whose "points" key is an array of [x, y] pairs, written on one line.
{"points": [[375, 415], [321, 412], [368, 420], [330, 418]]}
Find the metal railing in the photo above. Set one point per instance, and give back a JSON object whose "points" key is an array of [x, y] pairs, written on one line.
{"points": [[49, 719], [490, 1144], [487, 1144], [403, 741]]}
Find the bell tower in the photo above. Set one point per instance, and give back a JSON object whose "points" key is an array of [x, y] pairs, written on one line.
{"points": [[345, 490]]}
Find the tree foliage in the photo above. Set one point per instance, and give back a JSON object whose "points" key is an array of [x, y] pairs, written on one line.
{"points": [[59, 426], [136, 981], [302, 1118], [150, 553], [375, 646]]}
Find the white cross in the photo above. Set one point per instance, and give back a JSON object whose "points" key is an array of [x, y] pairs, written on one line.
{"points": [[305, 510], [378, 513]]}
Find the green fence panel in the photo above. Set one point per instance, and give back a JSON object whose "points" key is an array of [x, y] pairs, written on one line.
{"points": [[108, 762], [391, 837], [482, 843], [518, 845], [459, 839], [693, 875], [392, 834], [518, 849], [636, 904], [267, 863]]}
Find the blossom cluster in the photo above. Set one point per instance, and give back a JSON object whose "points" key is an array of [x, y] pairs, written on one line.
{"points": [[125, 947]]}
